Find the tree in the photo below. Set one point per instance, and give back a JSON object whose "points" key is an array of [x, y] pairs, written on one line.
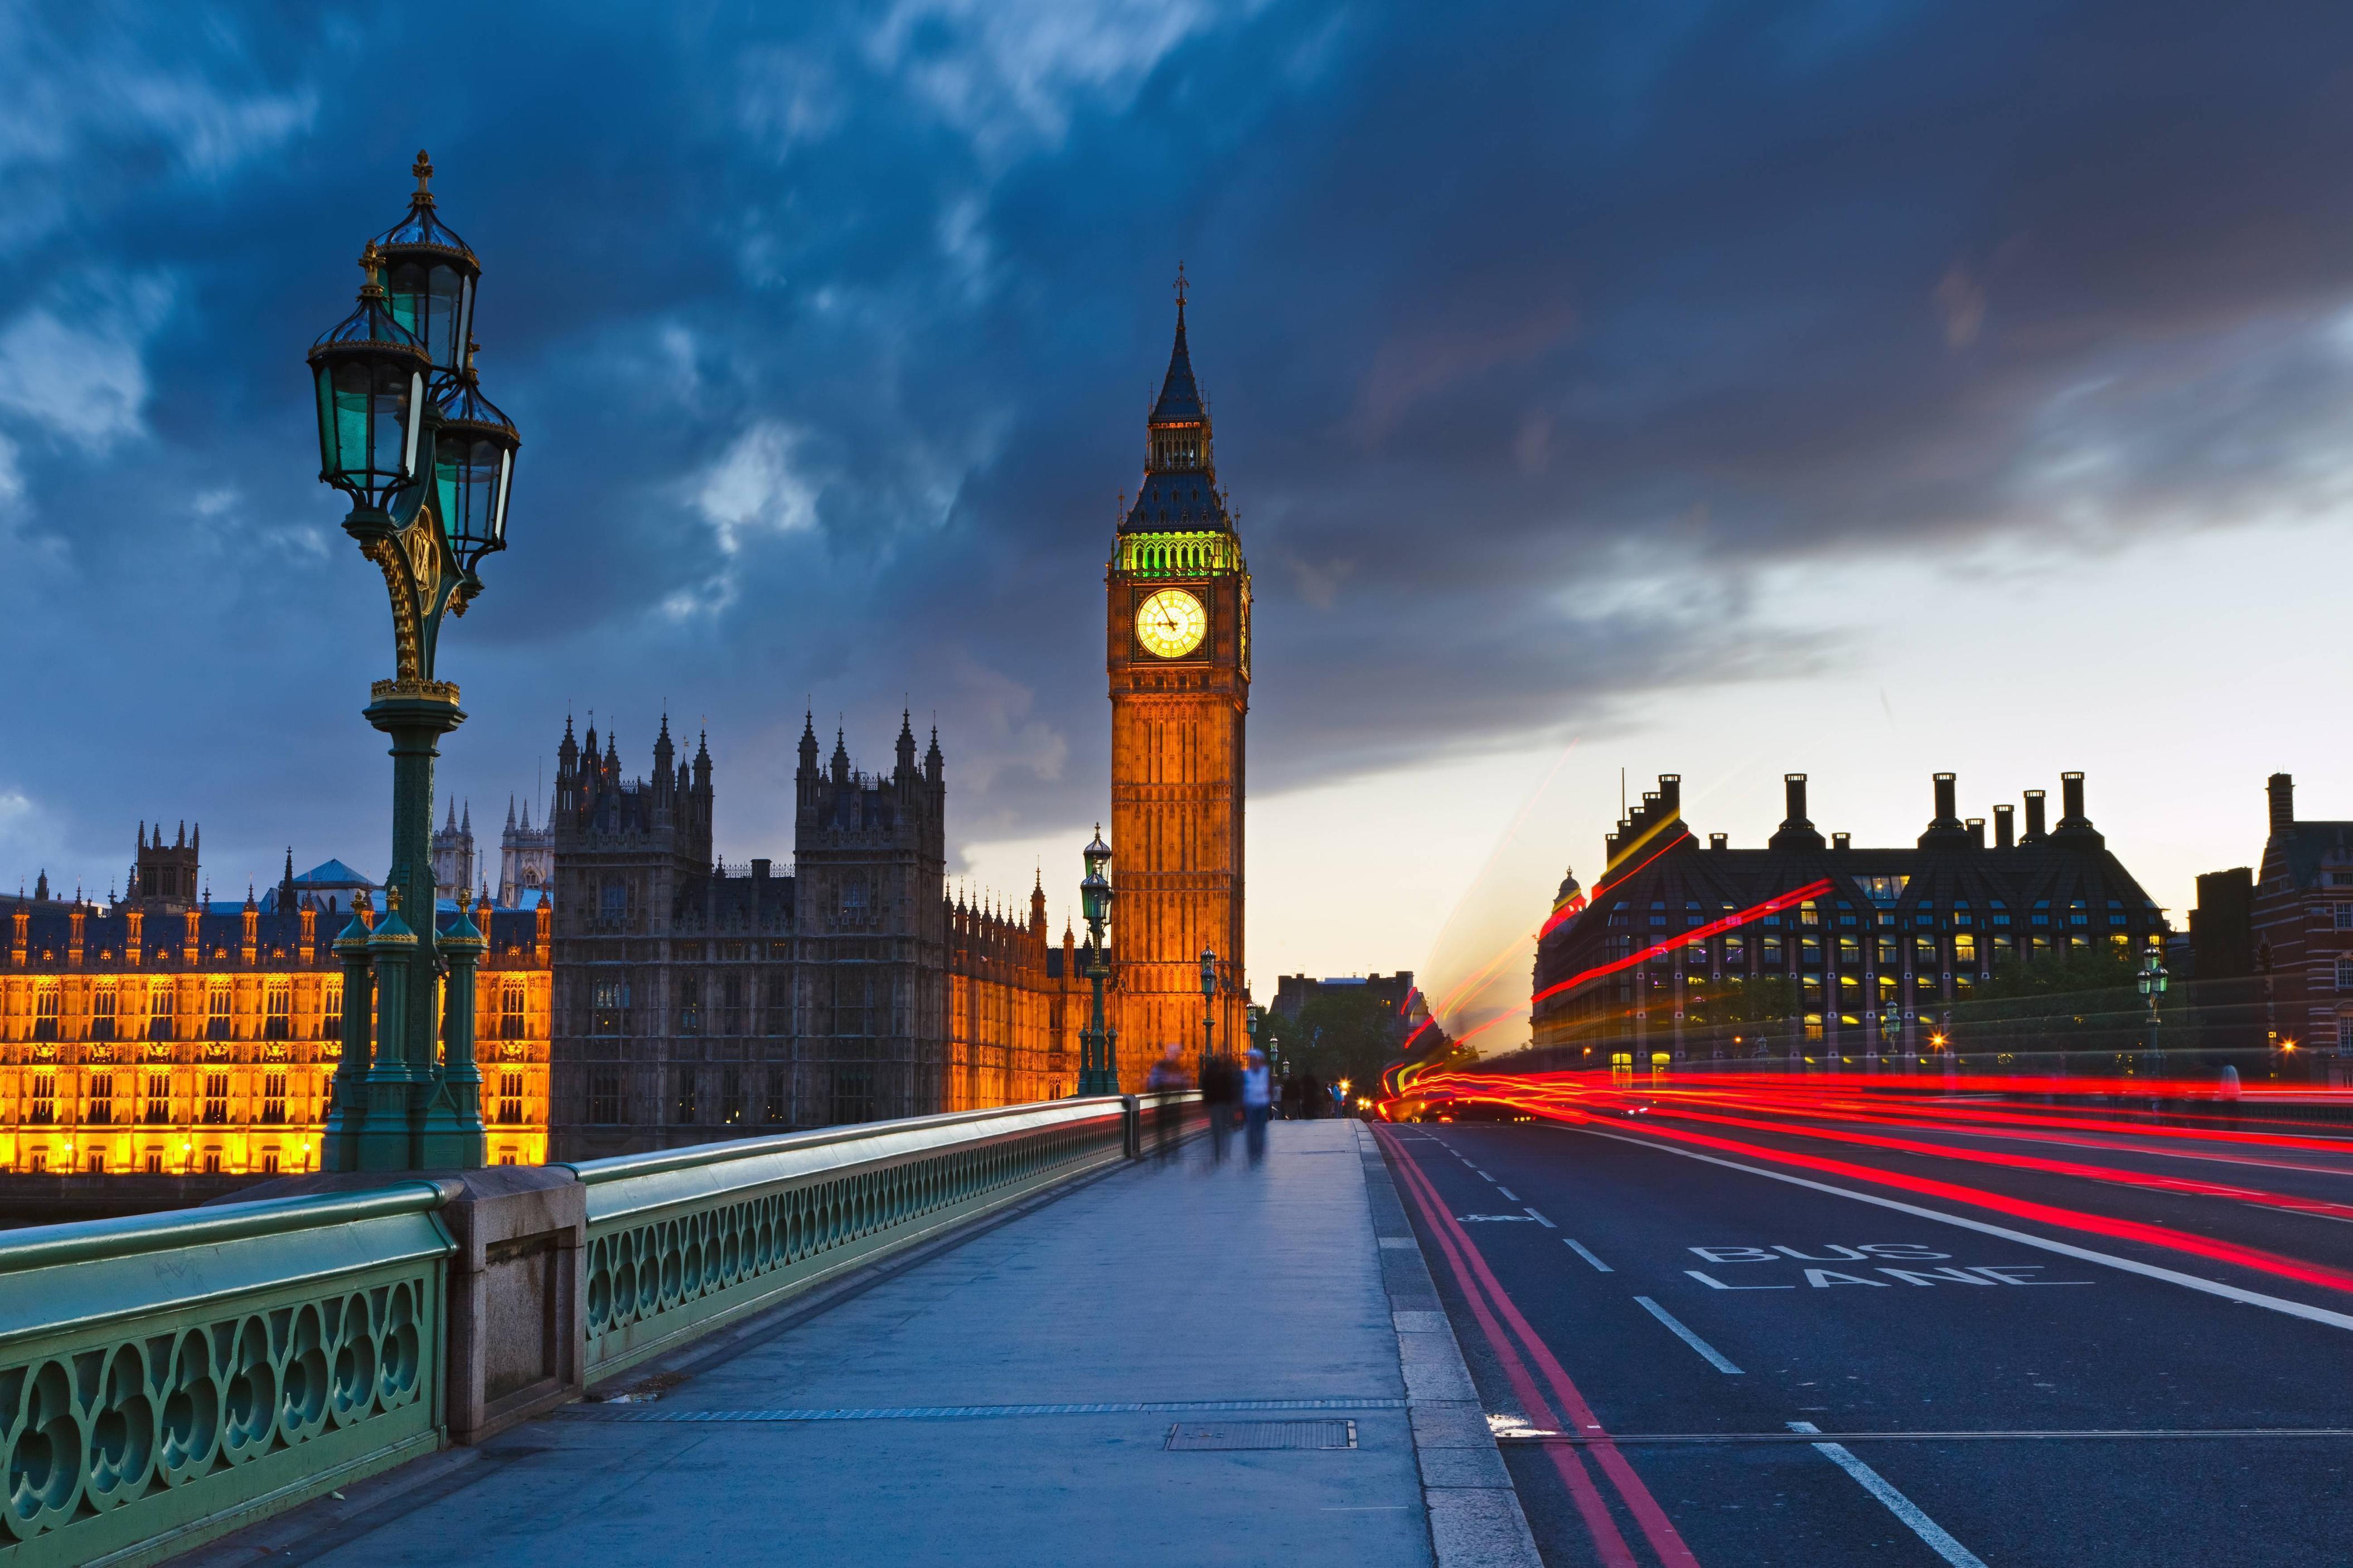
{"points": [[1340, 1034]]}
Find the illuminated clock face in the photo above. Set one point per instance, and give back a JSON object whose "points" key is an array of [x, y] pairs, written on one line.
{"points": [[1171, 623]]}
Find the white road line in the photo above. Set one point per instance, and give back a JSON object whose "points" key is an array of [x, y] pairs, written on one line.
{"points": [[1707, 1352], [1507, 1192], [1537, 1217], [1902, 1507], [2024, 1238], [1579, 1247]]}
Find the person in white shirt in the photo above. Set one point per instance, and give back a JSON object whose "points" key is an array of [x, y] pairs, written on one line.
{"points": [[1258, 1101]]}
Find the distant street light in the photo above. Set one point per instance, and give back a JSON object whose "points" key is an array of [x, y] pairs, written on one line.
{"points": [[1208, 1005], [2153, 980], [1098, 1071]]}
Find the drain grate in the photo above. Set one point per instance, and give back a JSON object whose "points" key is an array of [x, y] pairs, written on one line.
{"points": [[1229, 1436]]}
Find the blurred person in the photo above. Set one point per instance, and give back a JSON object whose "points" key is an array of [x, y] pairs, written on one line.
{"points": [[1166, 1076], [1220, 1089], [1258, 1100]]}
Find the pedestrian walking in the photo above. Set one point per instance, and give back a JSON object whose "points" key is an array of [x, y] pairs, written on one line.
{"points": [[1220, 1088], [1167, 1076], [1258, 1101]]}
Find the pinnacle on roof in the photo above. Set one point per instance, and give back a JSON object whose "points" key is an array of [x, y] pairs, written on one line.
{"points": [[467, 826], [1180, 396]]}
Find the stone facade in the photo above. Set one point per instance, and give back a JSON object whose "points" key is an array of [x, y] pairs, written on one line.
{"points": [[2303, 921], [1871, 966], [149, 1038], [697, 1001]]}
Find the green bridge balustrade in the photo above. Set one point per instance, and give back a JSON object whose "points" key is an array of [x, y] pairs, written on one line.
{"points": [[163, 1375], [168, 1378], [682, 1241]]}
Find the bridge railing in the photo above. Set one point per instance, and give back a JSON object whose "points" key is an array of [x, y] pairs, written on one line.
{"points": [[161, 1375], [167, 1378], [685, 1240]]}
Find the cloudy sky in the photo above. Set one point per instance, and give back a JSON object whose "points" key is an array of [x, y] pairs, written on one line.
{"points": [[1850, 388]]}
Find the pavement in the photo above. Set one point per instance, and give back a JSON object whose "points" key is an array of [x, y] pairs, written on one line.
{"points": [[1765, 1362], [1145, 1320]]}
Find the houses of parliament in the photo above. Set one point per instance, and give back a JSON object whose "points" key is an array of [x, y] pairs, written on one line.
{"points": [[640, 993]]}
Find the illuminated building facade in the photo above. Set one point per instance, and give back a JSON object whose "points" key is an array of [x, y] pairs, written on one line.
{"points": [[697, 1001], [1178, 654], [2302, 930], [168, 1037], [1870, 966]]}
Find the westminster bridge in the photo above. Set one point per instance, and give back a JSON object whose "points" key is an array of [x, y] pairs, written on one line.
{"points": [[989, 1335]]}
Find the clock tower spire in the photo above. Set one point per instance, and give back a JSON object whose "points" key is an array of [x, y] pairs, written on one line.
{"points": [[1177, 654]]}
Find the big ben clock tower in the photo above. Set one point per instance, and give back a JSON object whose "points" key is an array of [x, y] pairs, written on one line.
{"points": [[1177, 651]]}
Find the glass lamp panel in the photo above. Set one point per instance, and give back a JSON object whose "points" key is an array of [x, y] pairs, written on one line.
{"points": [[444, 328], [347, 464], [499, 508], [415, 407], [450, 483], [324, 377], [465, 333], [404, 295]]}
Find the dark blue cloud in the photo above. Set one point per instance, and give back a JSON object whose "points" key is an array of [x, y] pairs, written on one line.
{"points": [[1531, 331]]}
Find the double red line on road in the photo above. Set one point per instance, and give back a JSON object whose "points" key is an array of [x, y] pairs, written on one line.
{"points": [[1479, 1289]]}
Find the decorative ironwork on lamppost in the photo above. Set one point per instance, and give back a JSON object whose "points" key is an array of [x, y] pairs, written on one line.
{"points": [[1208, 1005], [1098, 1066], [429, 464]]}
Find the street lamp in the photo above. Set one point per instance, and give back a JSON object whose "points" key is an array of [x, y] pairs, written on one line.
{"points": [[2153, 980], [428, 463], [1208, 1004], [1098, 1069]]}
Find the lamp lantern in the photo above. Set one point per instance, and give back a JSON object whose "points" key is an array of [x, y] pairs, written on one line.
{"points": [[369, 371], [473, 468], [429, 277]]}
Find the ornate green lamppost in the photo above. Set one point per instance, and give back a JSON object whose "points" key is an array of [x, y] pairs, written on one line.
{"points": [[2153, 980], [1098, 1068], [428, 463]]}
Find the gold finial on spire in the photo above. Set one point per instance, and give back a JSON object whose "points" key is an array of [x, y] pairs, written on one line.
{"points": [[392, 899], [1181, 287], [422, 170], [372, 263]]}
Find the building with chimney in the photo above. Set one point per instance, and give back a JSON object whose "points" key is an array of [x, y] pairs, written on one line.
{"points": [[2302, 931], [697, 1001], [1870, 964]]}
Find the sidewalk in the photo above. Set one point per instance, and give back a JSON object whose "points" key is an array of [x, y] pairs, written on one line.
{"points": [[1220, 1287]]}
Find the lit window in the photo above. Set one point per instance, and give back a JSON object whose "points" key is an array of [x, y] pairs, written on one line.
{"points": [[216, 1098], [2345, 975], [277, 1022], [273, 1098]]}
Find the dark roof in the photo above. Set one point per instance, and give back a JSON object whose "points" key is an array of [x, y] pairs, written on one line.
{"points": [[1183, 498], [333, 874], [2303, 848]]}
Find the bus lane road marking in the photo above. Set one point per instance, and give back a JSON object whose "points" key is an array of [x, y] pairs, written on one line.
{"points": [[1868, 1254]]}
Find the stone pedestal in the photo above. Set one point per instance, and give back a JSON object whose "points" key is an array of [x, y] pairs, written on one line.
{"points": [[517, 1333]]}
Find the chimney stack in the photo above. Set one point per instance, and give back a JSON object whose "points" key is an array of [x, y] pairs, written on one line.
{"points": [[2282, 794], [1976, 826], [1796, 832], [1671, 791], [2005, 826], [1719, 840], [760, 869], [2071, 801], [1841, 840], [2034, 831], [1945, 811]]}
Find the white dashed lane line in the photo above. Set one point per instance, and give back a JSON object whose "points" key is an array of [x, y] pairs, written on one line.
{"points": [[1902, 1507], [1708, 1353], [1579, 1248], [1535, 1216]]}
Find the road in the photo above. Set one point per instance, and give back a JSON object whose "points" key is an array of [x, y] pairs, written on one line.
{"points": [[1727, 1332]]}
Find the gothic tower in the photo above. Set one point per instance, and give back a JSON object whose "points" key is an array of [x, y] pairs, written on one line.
{"points": [[1178, 653]]}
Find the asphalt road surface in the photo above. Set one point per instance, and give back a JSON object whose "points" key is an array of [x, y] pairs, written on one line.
{"points": [[1738, 1335]]}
